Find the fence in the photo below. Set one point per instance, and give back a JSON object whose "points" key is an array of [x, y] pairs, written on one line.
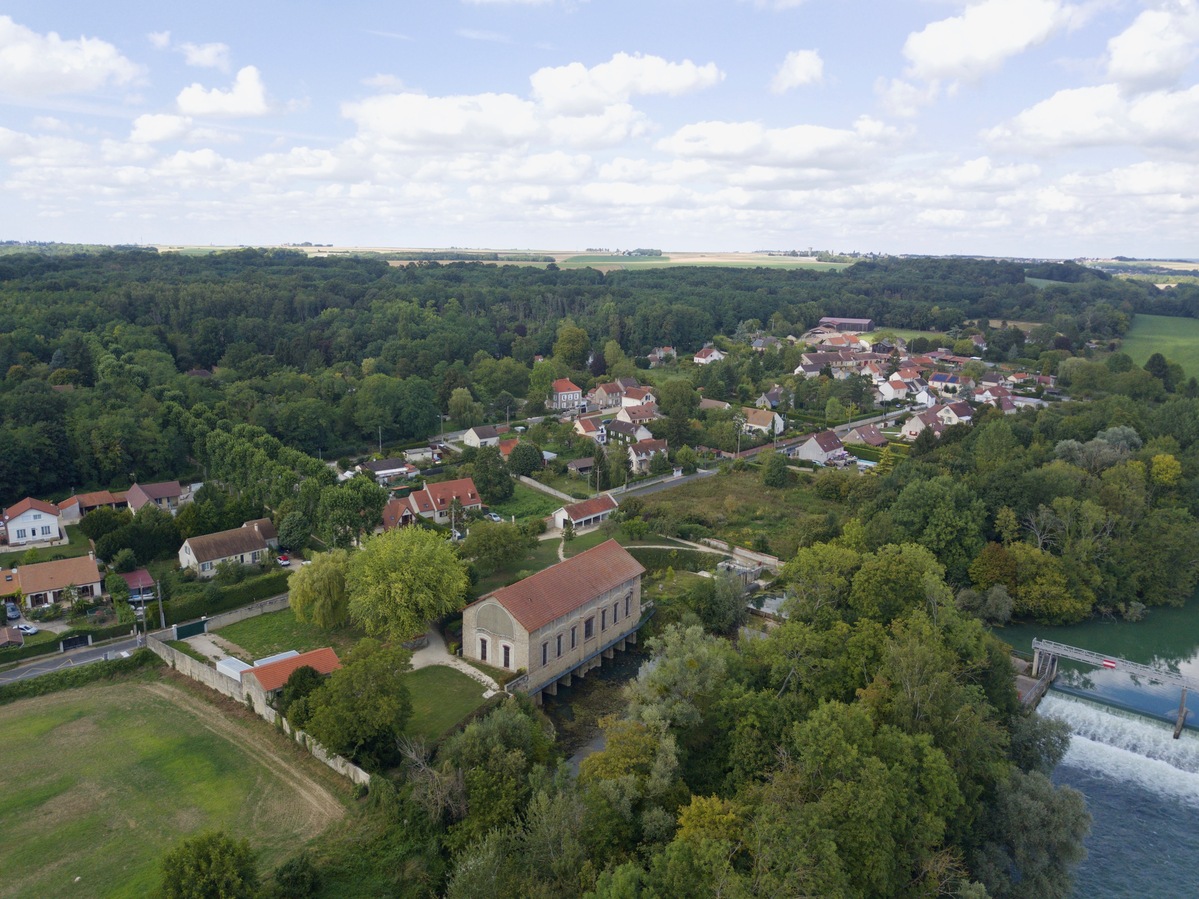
{"points": [[274, 604], [256, 699], [740, 553]]}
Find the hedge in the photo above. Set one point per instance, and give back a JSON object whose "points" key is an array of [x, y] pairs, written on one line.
{"points": [[191, 606], [678, 559], [51, 646], [77, 677]]}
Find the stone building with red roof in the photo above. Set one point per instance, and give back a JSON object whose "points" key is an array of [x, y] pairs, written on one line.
{"points": [[271, 676], [560, 622]]}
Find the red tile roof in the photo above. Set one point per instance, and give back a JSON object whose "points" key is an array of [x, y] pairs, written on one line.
{"points": [[44, 577], [138, 580], [463, 489], [30, 503], [273, 675], [565, 385], [562, 588], [589, 508]]}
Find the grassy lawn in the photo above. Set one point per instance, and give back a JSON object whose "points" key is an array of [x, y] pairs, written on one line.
{"points": [[737, 508], [280, 631], [527, 503], [102, 780], [1175, 338], [78, 546], [441, 697]]}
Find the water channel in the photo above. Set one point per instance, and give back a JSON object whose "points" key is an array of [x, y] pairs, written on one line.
{"points": [[1141, 786]]}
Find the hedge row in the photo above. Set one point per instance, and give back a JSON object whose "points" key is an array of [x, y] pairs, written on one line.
{"points": [[77, 677], [678, 559], [51, 646], [192, 606]]}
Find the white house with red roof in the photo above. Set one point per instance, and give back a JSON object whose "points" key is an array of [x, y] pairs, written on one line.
{"points": [[433, 501], [637, 415], [820, 447], [559, 622], [638, 396], [33, 522], [592, 428], [586, 514], [707, 356], [641, 454], [565, 394]]}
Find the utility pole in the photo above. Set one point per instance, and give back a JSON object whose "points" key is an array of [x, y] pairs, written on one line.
{"points": [[380, 440], [162, 618]]}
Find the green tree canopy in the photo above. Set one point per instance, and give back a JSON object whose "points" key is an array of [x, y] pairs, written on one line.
{"points": [[210, 866], [401, 580], [318, 590]]}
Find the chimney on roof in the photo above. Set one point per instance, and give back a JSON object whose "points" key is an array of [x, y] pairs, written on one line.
{"points": [[91, 555]]}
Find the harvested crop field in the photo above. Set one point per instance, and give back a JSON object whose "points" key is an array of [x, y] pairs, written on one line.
{"points": [[100, 781]]}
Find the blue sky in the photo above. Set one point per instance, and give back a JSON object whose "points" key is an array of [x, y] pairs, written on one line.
{"points": [[998, 127]]}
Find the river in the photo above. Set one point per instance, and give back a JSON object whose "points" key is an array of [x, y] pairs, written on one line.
{"points": [[1141, 785]]}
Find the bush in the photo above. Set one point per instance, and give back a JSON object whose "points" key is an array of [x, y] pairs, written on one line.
{"points": [[679, 559], [297, 878], [190, 606]]}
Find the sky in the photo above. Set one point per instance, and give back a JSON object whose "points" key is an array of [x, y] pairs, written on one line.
{"points": [[1041, 128]]}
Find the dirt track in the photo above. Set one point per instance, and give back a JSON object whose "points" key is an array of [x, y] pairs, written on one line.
{"points": [[316, 807]]}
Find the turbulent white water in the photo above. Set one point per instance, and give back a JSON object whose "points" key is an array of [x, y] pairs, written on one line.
{"points": [[1128, 747]]}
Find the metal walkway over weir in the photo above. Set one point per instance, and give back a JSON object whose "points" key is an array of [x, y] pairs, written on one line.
{"points": [[1044, 666]]}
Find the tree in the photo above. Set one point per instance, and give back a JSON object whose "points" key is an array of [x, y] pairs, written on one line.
{"points": [[572, 346], [568, 531], [318, 590], [494, 545], [463, 409], [294, 531], [402, 580], [349, 510], [524, 459], [774, 469], [491, 475], [362, 708], [210, 866], [301, 683]]}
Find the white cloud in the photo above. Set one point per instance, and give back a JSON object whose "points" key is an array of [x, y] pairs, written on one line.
{"points": [[33, 64], [983, 37], [1156, 48], [247, 97], [384, 82], [576, 89], [207, 56], [798, 145], [799, 68], [1103, 116], [160, 40], [983, 174], [149, 129], [417, 120], [614, 124], [902, 98]]}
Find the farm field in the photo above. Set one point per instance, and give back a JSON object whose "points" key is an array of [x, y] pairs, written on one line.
{"points": [[111, 776], [1175, 338]]}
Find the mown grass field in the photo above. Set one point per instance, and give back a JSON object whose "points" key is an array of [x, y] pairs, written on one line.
{"points": [[98, 782], [280, 631], [526, 503], [441, 697], [1175, 338], [78, 546]]}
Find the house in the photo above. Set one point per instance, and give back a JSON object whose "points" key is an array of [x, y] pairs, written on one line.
{"points": [[943, 382], [397, 513], [763, 421], [166, 495], [762, 344], [642, 453], [33, 522], [856, 325], [564, 394], [822, 448], [75, 507], [141, 586], [808, 370], [558, 622], [626, 432], [246, 545], [45, 582], [637, 415], [387, 470], [11, 638], [266, 528], [431, 453], [707, 356], [867, 434], [915, 426], [593, 428], [271, 677], [893, 390], [661, 355], [507, 446], [581, 467], [587, 513], [638, 396], [771, 398], [605, 396], [433, 501], [955, 413], [483, 435], [707, 405]]}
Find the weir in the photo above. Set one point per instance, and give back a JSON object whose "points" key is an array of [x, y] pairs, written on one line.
{"points": [[1044, 666]]}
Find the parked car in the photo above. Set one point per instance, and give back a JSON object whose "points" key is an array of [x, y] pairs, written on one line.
{"points": [[13, 612], [28, 629], [492, 516], [284, 560]]}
